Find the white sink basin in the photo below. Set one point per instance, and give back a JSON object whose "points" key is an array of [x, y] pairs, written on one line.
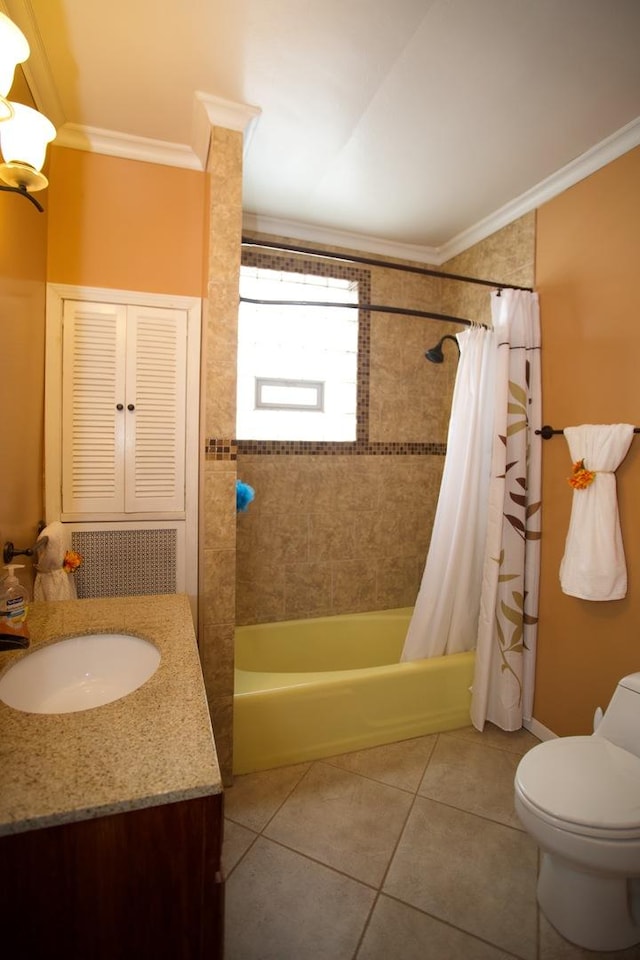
{"points": [[79, 673]]}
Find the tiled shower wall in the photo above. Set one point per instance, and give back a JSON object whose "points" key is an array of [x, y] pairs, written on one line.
{"points": [[330, 533], [327, 533], [333, 534], [507, 256]]}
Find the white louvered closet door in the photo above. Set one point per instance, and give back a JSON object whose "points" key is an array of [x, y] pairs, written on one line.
{"points": [[123, 410], [155, 409], [93, 444]]}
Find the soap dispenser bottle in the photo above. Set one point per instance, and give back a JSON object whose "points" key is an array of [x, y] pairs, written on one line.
{"points": [[14, 600]]}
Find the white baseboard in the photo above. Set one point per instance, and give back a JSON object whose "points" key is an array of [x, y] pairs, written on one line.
{"points": [[539, 730]]}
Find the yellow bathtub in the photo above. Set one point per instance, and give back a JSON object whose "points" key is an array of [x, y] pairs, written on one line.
{"points": [[306, 689]]}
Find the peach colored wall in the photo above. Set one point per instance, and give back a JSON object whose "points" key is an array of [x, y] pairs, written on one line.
{"points": [[125, 224], [23, 244], [587, 256], [107, 222]]}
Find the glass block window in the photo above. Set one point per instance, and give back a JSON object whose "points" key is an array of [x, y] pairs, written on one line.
{"points": [[297, 365]]}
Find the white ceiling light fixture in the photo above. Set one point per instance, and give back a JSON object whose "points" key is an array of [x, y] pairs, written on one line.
{"points": [[24, 132], [14, 49]]}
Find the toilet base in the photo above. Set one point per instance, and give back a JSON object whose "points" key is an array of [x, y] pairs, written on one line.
{"points": [[591, 910]]}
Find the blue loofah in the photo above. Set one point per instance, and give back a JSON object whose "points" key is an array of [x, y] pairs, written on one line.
{"points": [[244, 495]]}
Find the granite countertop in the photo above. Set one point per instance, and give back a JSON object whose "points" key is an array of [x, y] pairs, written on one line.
{"points": [[151, 747]]}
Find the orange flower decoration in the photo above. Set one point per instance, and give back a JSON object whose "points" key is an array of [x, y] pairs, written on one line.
{"points": [[72, 560], [581, 477]]}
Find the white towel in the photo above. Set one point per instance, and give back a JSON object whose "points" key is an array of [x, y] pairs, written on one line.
{"points": [[52, 580], [593, 566]]}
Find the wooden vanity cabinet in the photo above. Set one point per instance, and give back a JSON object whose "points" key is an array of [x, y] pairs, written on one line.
{"points": [[141, 885]]}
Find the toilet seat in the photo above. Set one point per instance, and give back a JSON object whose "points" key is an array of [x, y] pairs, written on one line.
{"points": [[583, 785]]}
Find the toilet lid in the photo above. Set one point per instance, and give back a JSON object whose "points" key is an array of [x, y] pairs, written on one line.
{"points": [[585, 781]]}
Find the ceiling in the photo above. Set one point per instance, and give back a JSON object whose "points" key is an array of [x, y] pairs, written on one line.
{"points": [[414, 126]]}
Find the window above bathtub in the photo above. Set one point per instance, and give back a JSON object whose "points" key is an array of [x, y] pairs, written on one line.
{"points": [[297, 363]]}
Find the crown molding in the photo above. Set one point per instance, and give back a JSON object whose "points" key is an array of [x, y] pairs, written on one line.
{"points": [[296, 230], [36, 69], [619, 143], [210, 111], [114, 144], [205, 115]]}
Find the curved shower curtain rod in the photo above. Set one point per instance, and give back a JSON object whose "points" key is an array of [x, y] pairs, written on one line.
{"points": [[435, 354]]}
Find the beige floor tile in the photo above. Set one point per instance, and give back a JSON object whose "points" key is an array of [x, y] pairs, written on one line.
{"points": [[255, 797], [555, 947], [237, 841], [344, 820], [398, 931], [396, 764], [282, 906], [472, 873], [515, 741], [472, 777]]}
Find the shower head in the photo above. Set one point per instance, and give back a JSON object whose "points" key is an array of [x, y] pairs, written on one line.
{"points": [[435, 354]]}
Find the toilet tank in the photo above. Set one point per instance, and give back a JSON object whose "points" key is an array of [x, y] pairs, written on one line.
{"points": [[621, 721]]}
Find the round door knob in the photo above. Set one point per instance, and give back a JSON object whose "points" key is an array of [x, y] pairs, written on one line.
{"points": [[130, 406], [119, 406]]}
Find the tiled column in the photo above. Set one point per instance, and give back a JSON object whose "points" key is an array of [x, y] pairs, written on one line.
{"points": [[218, 510]]}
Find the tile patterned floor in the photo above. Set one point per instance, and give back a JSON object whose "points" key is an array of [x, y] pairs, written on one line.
{"points": [[410, 851]]}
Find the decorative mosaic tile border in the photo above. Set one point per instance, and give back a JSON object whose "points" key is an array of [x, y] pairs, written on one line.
{"points": [[216, 448], [335, 448]]}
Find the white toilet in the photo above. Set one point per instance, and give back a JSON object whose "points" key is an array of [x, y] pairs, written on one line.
{"points": [[579, 798]]}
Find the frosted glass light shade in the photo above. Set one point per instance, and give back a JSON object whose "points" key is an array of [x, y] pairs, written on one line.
{"points": [[23, 140], [14, 49]]}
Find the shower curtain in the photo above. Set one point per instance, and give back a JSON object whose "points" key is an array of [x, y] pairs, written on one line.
{"points": [[506, 643], [480, 583], [445, 616]]}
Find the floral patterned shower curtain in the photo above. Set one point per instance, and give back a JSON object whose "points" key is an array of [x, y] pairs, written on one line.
{"points": [[506, 643]]}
